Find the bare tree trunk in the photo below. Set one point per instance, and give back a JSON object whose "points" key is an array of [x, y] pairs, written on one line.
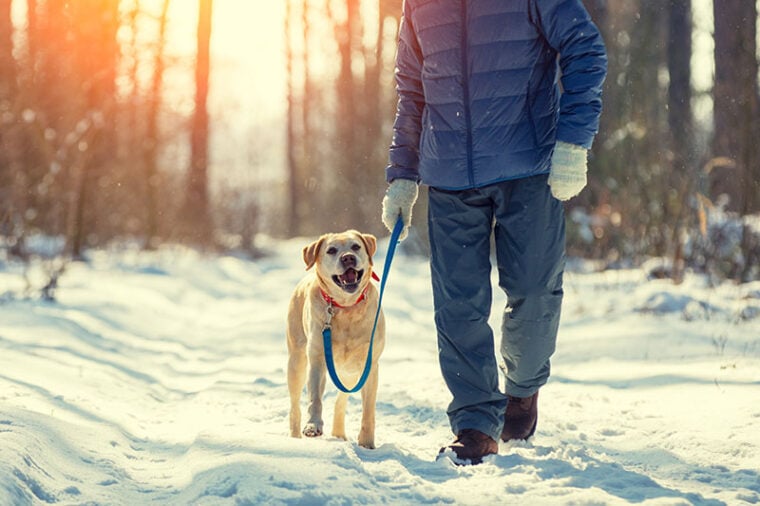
{"points": [[152, 141], [76, 229], [7, 107], [600, 15], [735, 104], [681, 121], [96, 27], [647, 124], [607, 161], [679, 90], [290, 140], [752, 153], [374, 154], [132, 131], [197, 212], [48, 211], [7, 62], [31, 30], [347, 212], [308, 100], [371, 96], [133, 22]]}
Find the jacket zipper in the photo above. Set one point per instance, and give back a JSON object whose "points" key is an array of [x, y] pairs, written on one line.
{"points": [[466, 93]]}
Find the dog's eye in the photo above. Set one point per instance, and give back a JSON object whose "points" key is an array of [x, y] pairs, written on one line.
{"points": [[356, 247], [332, 250]]}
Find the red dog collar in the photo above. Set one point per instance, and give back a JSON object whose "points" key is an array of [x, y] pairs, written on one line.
{"points": [[330, 301]]}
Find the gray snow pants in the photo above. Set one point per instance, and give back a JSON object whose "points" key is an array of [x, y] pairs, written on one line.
{"points": [[529, 231]]}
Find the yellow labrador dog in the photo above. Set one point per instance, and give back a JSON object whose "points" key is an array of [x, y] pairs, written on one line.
{"points": [[341, 279]]}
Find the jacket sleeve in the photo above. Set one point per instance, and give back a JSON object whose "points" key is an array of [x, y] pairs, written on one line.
{"points": [[404, 149], [568, 28]]}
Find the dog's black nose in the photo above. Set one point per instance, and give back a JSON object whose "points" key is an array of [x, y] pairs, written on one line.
{"points": [[348, 260]]}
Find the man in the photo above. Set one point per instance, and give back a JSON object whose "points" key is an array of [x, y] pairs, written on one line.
{"points": [[481, 121]]}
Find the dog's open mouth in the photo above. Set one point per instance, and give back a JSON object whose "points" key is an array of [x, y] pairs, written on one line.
{"points": [[349, 280]]}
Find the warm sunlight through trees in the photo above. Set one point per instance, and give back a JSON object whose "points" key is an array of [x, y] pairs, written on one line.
{"points": [[121, 120]]}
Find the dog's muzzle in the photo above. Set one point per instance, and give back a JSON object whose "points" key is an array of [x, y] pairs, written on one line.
{"points": [[349, 280]]}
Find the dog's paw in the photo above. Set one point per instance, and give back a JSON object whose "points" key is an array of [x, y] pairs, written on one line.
{"points": [[312, 430], [366, 441]]}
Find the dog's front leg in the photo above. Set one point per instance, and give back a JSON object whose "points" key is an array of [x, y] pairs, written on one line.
{"points": [[339, 417], [316, 388], [296, 381], [369, 399]]}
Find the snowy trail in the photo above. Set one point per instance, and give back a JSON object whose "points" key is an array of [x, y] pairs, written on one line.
{"points": [[159, 378]]}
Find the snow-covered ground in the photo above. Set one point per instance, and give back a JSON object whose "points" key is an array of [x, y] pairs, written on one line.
{"points": [[158, 378]]}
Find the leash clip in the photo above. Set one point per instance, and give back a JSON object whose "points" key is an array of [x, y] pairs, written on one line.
{"points": [[330, 314]]}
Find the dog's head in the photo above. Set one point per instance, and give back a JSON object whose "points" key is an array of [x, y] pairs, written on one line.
{"points": [[343, 261]]}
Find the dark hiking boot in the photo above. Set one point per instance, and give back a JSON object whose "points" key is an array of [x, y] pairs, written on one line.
{"points": [[470, 447], [520, 418]]}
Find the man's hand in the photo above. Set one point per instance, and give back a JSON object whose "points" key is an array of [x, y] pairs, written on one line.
{"points": [[568, 173], [399, 199]]}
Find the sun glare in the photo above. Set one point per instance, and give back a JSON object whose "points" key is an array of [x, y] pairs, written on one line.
{"points": [[248, 68]]}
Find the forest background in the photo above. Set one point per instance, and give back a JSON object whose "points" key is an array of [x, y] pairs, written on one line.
{"points": [[211, 122]]}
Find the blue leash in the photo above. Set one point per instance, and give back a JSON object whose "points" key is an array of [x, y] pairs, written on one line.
{"points": [[327, 331]]}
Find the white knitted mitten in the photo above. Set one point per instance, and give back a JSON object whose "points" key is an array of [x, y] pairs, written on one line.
{"points": [[399, 199], [568, 173]]}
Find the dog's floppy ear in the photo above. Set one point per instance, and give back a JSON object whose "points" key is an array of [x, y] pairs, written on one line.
{"points": [[311, 251], [370, 242]]}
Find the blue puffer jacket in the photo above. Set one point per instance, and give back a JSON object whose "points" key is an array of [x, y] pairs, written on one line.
{"points": [[479, 99]]}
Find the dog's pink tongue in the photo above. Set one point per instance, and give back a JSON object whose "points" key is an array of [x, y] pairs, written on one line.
{"points": [[349, 277]]}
